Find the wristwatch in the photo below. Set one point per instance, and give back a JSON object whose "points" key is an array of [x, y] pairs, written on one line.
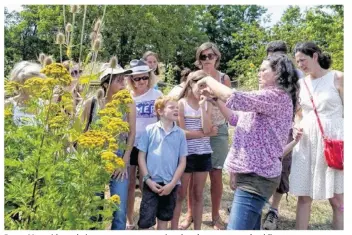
{"points": [[146, 177]]}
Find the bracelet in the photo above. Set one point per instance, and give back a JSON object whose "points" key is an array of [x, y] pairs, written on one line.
{"points": [[146, 177]]}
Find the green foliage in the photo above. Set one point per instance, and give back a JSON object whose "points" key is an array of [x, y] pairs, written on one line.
{"points": [[49, 183], [249, 80], [174, 32], [321, 24], [220, 24]]}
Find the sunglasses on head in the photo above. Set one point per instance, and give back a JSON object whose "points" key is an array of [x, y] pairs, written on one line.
{"points": [[140, 78], [209, 56]]}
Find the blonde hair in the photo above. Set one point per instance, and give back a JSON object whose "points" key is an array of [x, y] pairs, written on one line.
{"points": [[206, 46], [25, 70], [193, 77], [161, 102], [151, 82], [150, 53]]}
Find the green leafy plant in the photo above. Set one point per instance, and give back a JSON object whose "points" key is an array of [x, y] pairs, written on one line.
{"points": [[54, 171]]}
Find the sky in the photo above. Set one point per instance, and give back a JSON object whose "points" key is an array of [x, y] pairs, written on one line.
{"points": [[276, 11]]}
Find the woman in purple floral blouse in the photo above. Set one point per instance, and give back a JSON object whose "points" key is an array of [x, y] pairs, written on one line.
{"points": [[262, 130]]}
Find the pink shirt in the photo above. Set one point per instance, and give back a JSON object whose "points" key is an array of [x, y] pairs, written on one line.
{"points": [[262, 130]]}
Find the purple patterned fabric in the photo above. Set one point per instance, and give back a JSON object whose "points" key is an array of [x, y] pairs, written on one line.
{"points": [[261, 132]]}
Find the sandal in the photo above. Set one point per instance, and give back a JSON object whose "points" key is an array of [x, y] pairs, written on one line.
{"points": [[130, 227], [218, 224], [186, 223]]}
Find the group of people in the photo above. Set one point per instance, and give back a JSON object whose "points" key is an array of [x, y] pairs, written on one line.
{"points": [[176, 140]]}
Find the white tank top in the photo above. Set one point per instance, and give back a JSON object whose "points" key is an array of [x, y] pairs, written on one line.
{"points": [[193, 122]]}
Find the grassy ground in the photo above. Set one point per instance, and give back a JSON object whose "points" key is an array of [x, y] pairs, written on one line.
{"points": [[320, 217]]}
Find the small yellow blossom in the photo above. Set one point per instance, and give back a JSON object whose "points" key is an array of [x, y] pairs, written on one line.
{"points": [[116, 126], [84, 80], [113, 146], [58, 72], [58, 121], [11, 87], [8, 113], [109, 167], [115, 198], [67, 101], [119, 162], [51, 82], [111, 112], [108, 155], [93, 139], [113, 104], [68, 52], [123, 96], [34, 86]]}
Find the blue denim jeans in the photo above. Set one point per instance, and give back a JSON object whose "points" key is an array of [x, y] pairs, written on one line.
{"points": [[119, 216], [246, 211]]}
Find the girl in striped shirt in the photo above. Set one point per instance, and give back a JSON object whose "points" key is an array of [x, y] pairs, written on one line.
{"points": [[195, 119]]}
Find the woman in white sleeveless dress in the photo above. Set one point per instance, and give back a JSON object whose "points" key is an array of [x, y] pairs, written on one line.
{"points": [[311, 178]]}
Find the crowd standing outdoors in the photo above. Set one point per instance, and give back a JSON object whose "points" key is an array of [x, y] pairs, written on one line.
{"points": [[177, 140]]}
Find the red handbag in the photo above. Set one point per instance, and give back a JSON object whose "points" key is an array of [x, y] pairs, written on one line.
{"points": [[333, 149]]}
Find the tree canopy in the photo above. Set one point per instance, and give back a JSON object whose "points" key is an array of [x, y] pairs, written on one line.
{"points": [[174, 32]]}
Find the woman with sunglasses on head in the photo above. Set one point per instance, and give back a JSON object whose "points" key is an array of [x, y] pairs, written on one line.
{"points": [[140, 82], [208, 59]]}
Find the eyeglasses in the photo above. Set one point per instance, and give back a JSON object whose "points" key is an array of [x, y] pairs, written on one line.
{"points": [[140, 78], [75, 73], [209, 56]]}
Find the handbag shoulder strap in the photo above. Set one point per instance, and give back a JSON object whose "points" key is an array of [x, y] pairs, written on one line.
{"points": [[315, 109], [222, 78], [90, 118]]}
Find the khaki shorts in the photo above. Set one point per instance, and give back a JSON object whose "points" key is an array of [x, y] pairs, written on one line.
{"points": [[220, 146]]}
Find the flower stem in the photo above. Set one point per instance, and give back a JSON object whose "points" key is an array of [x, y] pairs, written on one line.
{"points": [[61, 53], [64, 13], [82, 34], [38, 162]]}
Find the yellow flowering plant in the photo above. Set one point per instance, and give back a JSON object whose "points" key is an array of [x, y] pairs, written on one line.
{"points": [[49, 184], [53, 169]]}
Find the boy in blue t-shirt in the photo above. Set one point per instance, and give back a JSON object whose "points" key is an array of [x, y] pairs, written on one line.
{"points": [[163, 166]]}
